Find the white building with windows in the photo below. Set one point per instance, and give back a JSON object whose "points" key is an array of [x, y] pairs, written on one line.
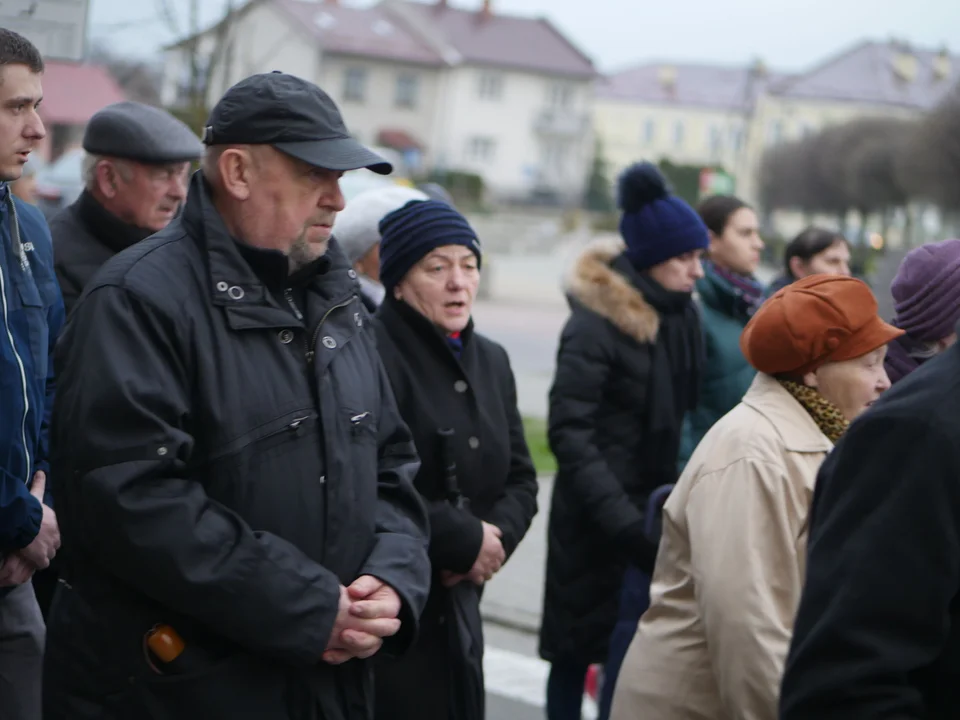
{"points": [[503, 96], [708, 115], [688, 114]]}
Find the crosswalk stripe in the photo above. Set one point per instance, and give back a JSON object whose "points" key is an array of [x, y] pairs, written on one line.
{"points": [[522, 679]]}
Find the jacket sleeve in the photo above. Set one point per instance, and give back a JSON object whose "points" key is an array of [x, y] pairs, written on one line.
{"points": [[744, 523], [883, 573], [20, 514], [121, 453], [584, 362], [55, 319], [515, 510], [399, 555], [70, 289]]}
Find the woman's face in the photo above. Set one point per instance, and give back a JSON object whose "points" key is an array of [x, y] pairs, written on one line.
{"points": [[442, 286], [738, 248], [679, 274], [852, 385], [835, 260]]}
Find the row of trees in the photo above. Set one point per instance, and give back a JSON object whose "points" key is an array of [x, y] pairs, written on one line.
{"points": [[873, 166]]}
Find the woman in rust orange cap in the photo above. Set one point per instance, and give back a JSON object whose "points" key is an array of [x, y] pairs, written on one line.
{"points": [[732, 557]]}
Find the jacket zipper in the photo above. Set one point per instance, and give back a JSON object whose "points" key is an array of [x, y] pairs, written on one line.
{"points": [[316, 331], [23, 372]]}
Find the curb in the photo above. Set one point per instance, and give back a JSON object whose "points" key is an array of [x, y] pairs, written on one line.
{"points": [[511, 618]]}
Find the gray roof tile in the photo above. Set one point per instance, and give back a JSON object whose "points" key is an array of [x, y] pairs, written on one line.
{"points": [[865, 74], [706, 86]]}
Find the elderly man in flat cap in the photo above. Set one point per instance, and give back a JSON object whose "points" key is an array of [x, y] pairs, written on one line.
{"points": [[239, 521], [135, 175]]}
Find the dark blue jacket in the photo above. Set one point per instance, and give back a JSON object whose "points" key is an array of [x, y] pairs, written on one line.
{"points": [[31, 314]]}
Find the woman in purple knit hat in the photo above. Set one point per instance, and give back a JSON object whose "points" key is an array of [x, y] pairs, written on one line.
{"points": [[926, 296]]}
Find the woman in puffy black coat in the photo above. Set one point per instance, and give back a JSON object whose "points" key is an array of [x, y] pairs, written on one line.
{"points": [[627, 371], [446, 377]]}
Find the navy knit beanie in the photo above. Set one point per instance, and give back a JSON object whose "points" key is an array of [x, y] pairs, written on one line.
{"points": [[656, 225], [414, 231]]}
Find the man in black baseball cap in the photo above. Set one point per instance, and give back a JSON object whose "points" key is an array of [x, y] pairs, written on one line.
{"points": [[221, 401], [294, 116]]}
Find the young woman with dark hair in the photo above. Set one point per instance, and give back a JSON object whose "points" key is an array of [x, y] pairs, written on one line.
{"points": [[728, 295], [815, 251]]}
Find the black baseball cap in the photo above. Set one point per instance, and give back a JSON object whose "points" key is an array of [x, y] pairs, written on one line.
{"points": [[294, 116]]}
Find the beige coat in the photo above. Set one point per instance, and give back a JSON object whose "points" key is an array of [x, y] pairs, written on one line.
{"points": [[730, 569]]}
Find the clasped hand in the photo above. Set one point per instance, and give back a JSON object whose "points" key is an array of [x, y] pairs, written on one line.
{"points": [[367, 614], [18, 567], [488, 563]]}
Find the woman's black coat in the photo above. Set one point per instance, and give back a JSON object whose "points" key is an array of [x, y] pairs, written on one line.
{"points": [[613, 449], [475, 396]]}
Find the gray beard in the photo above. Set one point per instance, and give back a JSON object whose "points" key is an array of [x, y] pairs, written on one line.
{"points": [[302, 253]]}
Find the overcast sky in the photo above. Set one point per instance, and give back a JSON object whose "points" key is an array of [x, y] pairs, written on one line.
{"points": [[617, 33]]}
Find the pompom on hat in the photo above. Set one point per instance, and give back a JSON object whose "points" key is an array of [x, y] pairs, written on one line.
{"points": [[813, 321], [656, 225]]}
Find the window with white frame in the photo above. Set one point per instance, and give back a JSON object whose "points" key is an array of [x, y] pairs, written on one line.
{"points": [[736, 138], [481, 149], [355, 84], [715, 140], [679, 132], [408, 86], [490, 86], [560, 95], [649, 132], [775, 132]]}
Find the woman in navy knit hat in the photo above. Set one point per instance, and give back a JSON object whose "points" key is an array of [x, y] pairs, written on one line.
{"points": [[456, 391], [628, 370]]}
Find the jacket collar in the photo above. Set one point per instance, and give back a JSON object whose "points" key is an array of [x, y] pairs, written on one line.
{"points": [[241, 275], [407, 324], [796, 428], [603, 285], [107, 227]]}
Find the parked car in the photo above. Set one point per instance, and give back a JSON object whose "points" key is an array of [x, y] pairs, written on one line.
{"points": [[60, 182]]}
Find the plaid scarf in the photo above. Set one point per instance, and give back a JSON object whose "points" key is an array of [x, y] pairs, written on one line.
{"points": [[749, 292]]}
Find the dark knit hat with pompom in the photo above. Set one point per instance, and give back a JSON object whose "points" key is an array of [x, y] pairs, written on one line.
{"points": [[656, 225]]}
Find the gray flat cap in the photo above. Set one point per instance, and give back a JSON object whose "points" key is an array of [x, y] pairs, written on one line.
{"points": [[140, 132]]}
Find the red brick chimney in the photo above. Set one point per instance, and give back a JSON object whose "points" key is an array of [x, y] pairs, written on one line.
{"points": [[442, 4], [486, 10]]}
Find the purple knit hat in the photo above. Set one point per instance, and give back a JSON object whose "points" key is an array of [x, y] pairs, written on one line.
{"points": [[926, 291]]}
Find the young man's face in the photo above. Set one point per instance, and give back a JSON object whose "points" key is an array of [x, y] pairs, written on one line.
{"points": [[21, 129]]}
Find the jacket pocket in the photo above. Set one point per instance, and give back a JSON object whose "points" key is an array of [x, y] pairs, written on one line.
{"points": [[38, 332], [238, 687]]}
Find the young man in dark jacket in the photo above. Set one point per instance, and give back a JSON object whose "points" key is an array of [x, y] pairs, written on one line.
{"points": [[877, 634], [31, 313], [235, 469]]}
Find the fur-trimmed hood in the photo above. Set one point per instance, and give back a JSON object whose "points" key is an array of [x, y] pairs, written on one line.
{"points": [[596, 285]]}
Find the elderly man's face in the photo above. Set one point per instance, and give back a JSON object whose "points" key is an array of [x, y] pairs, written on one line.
{"points": [[149, 196], [294, 204]]}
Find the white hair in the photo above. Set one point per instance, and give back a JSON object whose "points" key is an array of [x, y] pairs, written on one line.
{"points": [[89, 169]]}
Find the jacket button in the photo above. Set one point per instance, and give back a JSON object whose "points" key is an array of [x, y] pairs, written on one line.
{"points": [[460, 386], [323, 479], [474, 443], [352, 274], [329, 342], [286, 336]]}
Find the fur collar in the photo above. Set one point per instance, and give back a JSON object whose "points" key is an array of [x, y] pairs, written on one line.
{"points": [[598, 287]]}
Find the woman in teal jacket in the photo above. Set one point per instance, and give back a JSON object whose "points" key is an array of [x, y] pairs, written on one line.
{"points": [[728, 295]]}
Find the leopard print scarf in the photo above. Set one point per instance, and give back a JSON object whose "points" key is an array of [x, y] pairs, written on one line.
{"points": [[825, 414]]}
